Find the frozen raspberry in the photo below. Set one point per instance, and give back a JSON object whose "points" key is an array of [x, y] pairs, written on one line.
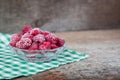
{"points": [[45, 33], [13, 43], [34, 46], [42, 47], [26, 29], [45, 45], [49, 36], [39, 38], [24, 43], [53, 46], [27, 35], [60, 42], [35, 31], [52, 38], [16, 37]]}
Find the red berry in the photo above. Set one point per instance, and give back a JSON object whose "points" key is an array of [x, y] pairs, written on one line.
{"points": [[53, 46], [34, 46], [49, 36], [24, 43], [35, 31], [16, 37], [45, 45], [13, 43], [27, 35], [26, 29], [52, 38], [39, 38], [42, 47], [60, 42], [45, 33]]}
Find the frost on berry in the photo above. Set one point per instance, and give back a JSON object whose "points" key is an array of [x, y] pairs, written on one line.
{"points": [[24, 43], [26, 29], [45, 33], [35, 31], [13, 43], [52, 38], [16, 37], [27, 35], [34, 46], [45, 45], [42, 47], [39, 38]]}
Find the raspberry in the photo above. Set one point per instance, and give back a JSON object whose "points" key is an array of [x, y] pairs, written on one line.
{"points": [[34, 46], [24, 43], [13, 43], [27, 35], [42, 47], [53, 46], [16, 37], [49, 36], [61, 42], [35, 31], [45, 33], [52, 38], [45, 45], [39, 38], [26, 29]]}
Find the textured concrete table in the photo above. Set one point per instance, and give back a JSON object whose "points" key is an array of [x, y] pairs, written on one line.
{"points": [[103, 46]]}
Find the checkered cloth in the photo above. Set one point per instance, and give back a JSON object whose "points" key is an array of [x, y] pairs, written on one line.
{"points": [[12, 66]]}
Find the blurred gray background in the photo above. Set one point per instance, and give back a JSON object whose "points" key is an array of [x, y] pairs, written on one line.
{"points": [[59, 15]]}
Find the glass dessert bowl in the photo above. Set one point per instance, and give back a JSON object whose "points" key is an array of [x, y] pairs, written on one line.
{"points": [[36, 45]]}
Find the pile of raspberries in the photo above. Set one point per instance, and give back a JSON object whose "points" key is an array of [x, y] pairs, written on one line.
{"points": [[35, 39]]}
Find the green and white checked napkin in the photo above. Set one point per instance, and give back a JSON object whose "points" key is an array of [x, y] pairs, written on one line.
{"points": [[12, 66]]}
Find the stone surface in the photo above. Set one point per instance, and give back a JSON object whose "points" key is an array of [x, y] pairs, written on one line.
{"points": [[103, 47], [59, 15], [104, 62]]}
